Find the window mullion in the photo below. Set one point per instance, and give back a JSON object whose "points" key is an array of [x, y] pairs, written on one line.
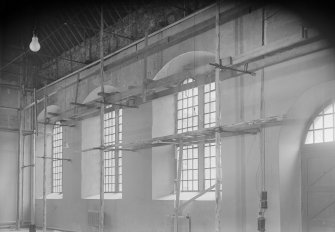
{"points": [[175, 113], [201, 107], [116, 152], [201, 169], [52, 159], [61, 161], [56, 155], [323, 125]]}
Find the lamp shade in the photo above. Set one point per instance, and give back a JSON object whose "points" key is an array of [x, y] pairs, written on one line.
{"points": [[34, 44]]}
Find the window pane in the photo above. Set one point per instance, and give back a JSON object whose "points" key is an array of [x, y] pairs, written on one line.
{"points": [[321, 130], [329, 135], [189, 107], [189, 168], [318, 136], [209, 106], [318, 123], [329, 109], [309, 137], [207, 163], [329, 120]]}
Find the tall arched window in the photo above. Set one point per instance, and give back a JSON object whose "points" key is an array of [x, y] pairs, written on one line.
{"points": [[113, 159], [322, 128], [196, 110], [57, 155]]}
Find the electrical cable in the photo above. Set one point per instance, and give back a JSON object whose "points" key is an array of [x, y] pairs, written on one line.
{"points": [[262, 164], [270, 16]]}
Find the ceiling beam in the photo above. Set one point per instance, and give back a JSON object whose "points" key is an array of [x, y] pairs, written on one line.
{"points": [[48, 41], [65, 34], [45, 45], [76, 20], [98, 13], [75, 31], [125, 8], [53, 32], [107, 16], [91, 26], [67, 27], [118, 14], [89, 10], [72, 33], [110, 14]]}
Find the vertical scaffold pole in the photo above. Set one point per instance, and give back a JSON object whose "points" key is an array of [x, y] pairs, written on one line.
{"points": [[145, 64], [177, 187], [102, 140], [22, 127], [218, 181], [262, 109], [33, 168], [19, 160], [45, 163]]}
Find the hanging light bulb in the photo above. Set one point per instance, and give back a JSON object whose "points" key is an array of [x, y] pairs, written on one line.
{"points": [[34, 44]]}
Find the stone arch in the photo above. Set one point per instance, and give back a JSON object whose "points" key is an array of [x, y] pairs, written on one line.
{"points": [[51, 110], [93, 95], [197, 62]]}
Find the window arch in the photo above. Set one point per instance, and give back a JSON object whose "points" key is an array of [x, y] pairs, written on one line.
{"points": [[322, 128]]}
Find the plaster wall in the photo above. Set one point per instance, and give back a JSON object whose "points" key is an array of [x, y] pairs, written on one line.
{"points": [[148, 173], [8, 176], [8, 161]]}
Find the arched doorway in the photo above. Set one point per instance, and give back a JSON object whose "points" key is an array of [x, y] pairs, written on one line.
{"points": [[290, 146], [318, 172]]}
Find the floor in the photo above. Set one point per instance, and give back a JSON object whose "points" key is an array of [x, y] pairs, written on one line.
{"points": [[23, 230]]}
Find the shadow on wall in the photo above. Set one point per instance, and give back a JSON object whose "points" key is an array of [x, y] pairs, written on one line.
{"points": [[291, 138], [163, 110], [52, 110], [194, 62], [90, 166]]}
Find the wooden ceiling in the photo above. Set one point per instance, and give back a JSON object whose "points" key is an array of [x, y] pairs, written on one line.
{"points": [[60, 25]]}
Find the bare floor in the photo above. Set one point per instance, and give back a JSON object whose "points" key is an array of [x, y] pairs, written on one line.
{"points": [[24, 230]]}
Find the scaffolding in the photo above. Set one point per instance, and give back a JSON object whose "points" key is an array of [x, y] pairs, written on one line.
{"points": [[149, 90]]}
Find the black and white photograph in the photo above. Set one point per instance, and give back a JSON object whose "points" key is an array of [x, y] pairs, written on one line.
{"points": [[167, 116]]}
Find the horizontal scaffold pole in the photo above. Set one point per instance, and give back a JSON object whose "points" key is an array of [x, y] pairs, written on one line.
{"points": [[208, 134], [65, 159], [265, 56]]}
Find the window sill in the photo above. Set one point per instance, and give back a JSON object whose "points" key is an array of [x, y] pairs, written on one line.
{"points": [[107, 196], [52, 196], [184, 196]]}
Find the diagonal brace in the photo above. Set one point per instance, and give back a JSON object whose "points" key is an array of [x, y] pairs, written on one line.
{"points": [[222, 67]]}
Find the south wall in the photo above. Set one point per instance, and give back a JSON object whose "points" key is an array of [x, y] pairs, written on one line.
{"points": [[9, 143], [240, 97]]}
